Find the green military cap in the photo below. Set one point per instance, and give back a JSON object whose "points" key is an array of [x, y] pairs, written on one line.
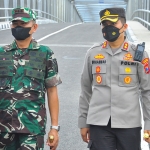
{"points": [[112, 14], [23, 14]]}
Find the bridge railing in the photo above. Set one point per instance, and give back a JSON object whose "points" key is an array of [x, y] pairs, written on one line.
{"points": [[139, 10], [56, 10]]}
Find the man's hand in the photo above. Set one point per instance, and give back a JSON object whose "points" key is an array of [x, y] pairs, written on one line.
{"points": [[53, 144], [147, 139], [85, 133]]}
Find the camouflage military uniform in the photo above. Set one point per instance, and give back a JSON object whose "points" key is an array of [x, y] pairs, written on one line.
{"points": [[24, 77]]}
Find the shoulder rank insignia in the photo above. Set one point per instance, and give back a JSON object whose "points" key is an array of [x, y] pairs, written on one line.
{"points": [[125, 46], [128, 56], [104, 44], [99, 56]]}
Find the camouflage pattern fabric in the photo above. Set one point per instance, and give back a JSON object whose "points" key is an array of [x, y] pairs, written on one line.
{"points": [[24, 77], [23, 14], [10, 141]]}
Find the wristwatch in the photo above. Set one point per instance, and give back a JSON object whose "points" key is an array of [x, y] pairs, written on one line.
{"points": [[55, 127]]}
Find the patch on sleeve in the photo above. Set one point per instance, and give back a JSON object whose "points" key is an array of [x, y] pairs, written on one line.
{"points": [[145, 63]]}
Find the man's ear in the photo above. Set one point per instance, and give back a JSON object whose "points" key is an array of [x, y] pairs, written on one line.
{"points": [[125, 26], [35, 26]]}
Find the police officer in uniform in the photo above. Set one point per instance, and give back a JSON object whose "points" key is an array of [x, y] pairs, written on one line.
{"points": [[27, 71], [109, 107]]}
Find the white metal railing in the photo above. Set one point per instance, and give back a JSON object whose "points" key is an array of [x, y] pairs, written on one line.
{"points": [[57, 10], [39, 17], [139, 10], [145, 20]]}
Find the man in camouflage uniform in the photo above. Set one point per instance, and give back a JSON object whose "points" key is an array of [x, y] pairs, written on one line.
{"points": [[27, 71]]}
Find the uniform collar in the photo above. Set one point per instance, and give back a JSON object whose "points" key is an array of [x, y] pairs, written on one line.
{"points": [[124, 47], [33, 45]]}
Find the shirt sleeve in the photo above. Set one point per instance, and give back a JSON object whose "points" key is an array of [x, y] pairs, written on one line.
{"points": [[86, 92], [52, 77], [144, 78]]}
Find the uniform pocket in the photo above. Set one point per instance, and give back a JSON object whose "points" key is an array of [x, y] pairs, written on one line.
{"points": [[33, 80], [127, 76], [5, 78], [99, 74]]}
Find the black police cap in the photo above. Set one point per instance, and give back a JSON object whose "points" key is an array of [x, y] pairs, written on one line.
{"points": [[112, 14]]}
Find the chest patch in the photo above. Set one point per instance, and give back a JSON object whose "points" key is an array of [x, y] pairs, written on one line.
{"points": [[128, 70], [99, 56], [98, 69], [128, 56], [98, 79], [127, 80]]}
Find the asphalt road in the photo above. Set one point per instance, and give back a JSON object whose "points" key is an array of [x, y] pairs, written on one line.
{"points": [[69, 46]]}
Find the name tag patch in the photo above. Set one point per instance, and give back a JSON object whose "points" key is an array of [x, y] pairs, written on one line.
{"points": [[98, 61], [128, 63]]}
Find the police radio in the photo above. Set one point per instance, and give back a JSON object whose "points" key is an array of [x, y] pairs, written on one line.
{"points": [[139, 52]]}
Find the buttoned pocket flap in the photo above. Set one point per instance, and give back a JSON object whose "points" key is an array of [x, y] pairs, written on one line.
{"points": [[36, 65], [98, 69], [6, 63], [34, 74], [5, 72]]}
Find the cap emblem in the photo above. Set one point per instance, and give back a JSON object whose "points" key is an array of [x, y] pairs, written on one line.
{"points": [[19, 11], [107, 13]]}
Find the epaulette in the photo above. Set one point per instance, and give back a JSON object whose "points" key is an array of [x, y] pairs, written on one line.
{"points": [[134, 46], [35, 44], [96, 45], [6, 47]]}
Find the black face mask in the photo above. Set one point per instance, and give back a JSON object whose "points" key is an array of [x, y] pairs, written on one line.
{"points": [[111, 33], [20, 33]]}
